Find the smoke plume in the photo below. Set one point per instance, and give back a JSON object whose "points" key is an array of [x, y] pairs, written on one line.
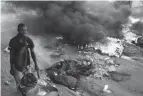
{"points": [[138, 27], [79, 22]]}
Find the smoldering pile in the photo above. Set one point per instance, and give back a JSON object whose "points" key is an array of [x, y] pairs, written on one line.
{"points": [[112, 47], [132, 31], [92, 64], [68, 72], [74, 68]]}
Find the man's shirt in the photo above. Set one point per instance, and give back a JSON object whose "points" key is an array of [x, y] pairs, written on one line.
{"points": [[19, 53]]}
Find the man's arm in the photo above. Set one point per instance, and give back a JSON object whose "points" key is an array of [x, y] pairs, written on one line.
{"points": [[35, 61], [12, 54], [33, 55], [34, 58], [11, 58]]}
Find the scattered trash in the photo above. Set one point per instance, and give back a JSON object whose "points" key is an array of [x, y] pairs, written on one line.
{"points": [[55, 74], [78, 93], [7, 50], [127, 58], [59, 38], [7, 83], [42, 82], [41, 92], [109, 61], [62, 60], [54, 85], [111, 68], [73, 68], [107, 58], [105, 89], [49, 88]]}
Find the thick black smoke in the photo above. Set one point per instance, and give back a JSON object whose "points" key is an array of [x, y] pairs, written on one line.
{"points": [[138, 27], [80, 22]]}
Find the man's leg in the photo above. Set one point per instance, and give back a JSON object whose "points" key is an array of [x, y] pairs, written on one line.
{"points": [[18, 76]]}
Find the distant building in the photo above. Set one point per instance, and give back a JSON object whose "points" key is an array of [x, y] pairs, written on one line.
{"points": [[138, 3]]}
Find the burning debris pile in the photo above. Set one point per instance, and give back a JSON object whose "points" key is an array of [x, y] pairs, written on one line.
{"points": [[112, 47], [133, 31], [115, 47], [69, 72], [130, 34], [72, 67], [95, 65]]}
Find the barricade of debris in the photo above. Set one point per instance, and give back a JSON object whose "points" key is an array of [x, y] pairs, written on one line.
{"points": [[94, 65], [74, 67], [69, 72], [112, 47]]}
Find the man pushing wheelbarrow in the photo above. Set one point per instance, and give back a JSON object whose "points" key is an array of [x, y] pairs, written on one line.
{"points": [[20, 48]]}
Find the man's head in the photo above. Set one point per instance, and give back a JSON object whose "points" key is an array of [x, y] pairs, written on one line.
{"points": [[22, 29]]}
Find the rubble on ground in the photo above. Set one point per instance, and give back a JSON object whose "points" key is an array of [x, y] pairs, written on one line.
{"points": [[41, 92], [133, 51], [7, 83], [68, 81], [93, 65], [119, 76], [72, 67], [111, 68], [105, 89]]}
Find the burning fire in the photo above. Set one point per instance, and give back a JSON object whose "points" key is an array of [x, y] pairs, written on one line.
{"points": [[114, 46]]}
